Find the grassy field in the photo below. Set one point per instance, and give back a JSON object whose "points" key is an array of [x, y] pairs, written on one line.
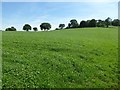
{"points": [[75, 58]]}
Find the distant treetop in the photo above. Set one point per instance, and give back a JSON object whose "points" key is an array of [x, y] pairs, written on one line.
{"points": [[27, 27], [10, 29]]}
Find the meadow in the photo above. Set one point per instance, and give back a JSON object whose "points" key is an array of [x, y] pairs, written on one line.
{"points": [[72, 58]]}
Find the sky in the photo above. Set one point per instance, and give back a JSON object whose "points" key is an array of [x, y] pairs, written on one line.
{"points": [[34, 13]]}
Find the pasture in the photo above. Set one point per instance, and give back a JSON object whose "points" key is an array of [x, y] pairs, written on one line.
{"points": [[72, 58]]}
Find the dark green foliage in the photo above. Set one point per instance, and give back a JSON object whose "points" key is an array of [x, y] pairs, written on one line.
{"points": [[27, 27], [100, 23], [83, 24], [92, 23], [10, 29], [45, 26], [116, 22], [61, 26], [87, 22], [73, 23], [35, 29], [108, 21], [69, 25]]}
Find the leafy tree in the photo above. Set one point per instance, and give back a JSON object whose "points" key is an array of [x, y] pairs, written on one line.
{"points": [[100, 23], [27, 27], [69, 25], [10, 29], [35, 29], [116, 22], [108, 21], [61, 26], [87, 22], [83, 24], [73, 23], [92, 23], [45, 26], [7, 29], [13, 29]]}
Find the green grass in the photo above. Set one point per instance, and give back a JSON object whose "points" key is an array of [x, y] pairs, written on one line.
{"points": [[75, 58]]}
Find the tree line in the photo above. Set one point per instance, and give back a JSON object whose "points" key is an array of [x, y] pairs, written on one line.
{"points": [[73, 24]]}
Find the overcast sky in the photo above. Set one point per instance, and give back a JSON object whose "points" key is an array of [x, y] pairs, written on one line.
{"points": [[34, 13]]}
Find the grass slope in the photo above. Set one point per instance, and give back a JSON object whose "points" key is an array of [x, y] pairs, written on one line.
{"points": [[83, 58]]}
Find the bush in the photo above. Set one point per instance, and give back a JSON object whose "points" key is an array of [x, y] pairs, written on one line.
{"points": [[10, 29]]}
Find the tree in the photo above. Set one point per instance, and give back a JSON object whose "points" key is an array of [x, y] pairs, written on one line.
{"points": [[87, 22], [73, 23], [100, 23], [108, 21], [61, 26], [116, 22], [45, 26], [10, 29], [13, 29], [27, 27], [35, 29], [83, 24], [69, 25], [92, 23]]}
